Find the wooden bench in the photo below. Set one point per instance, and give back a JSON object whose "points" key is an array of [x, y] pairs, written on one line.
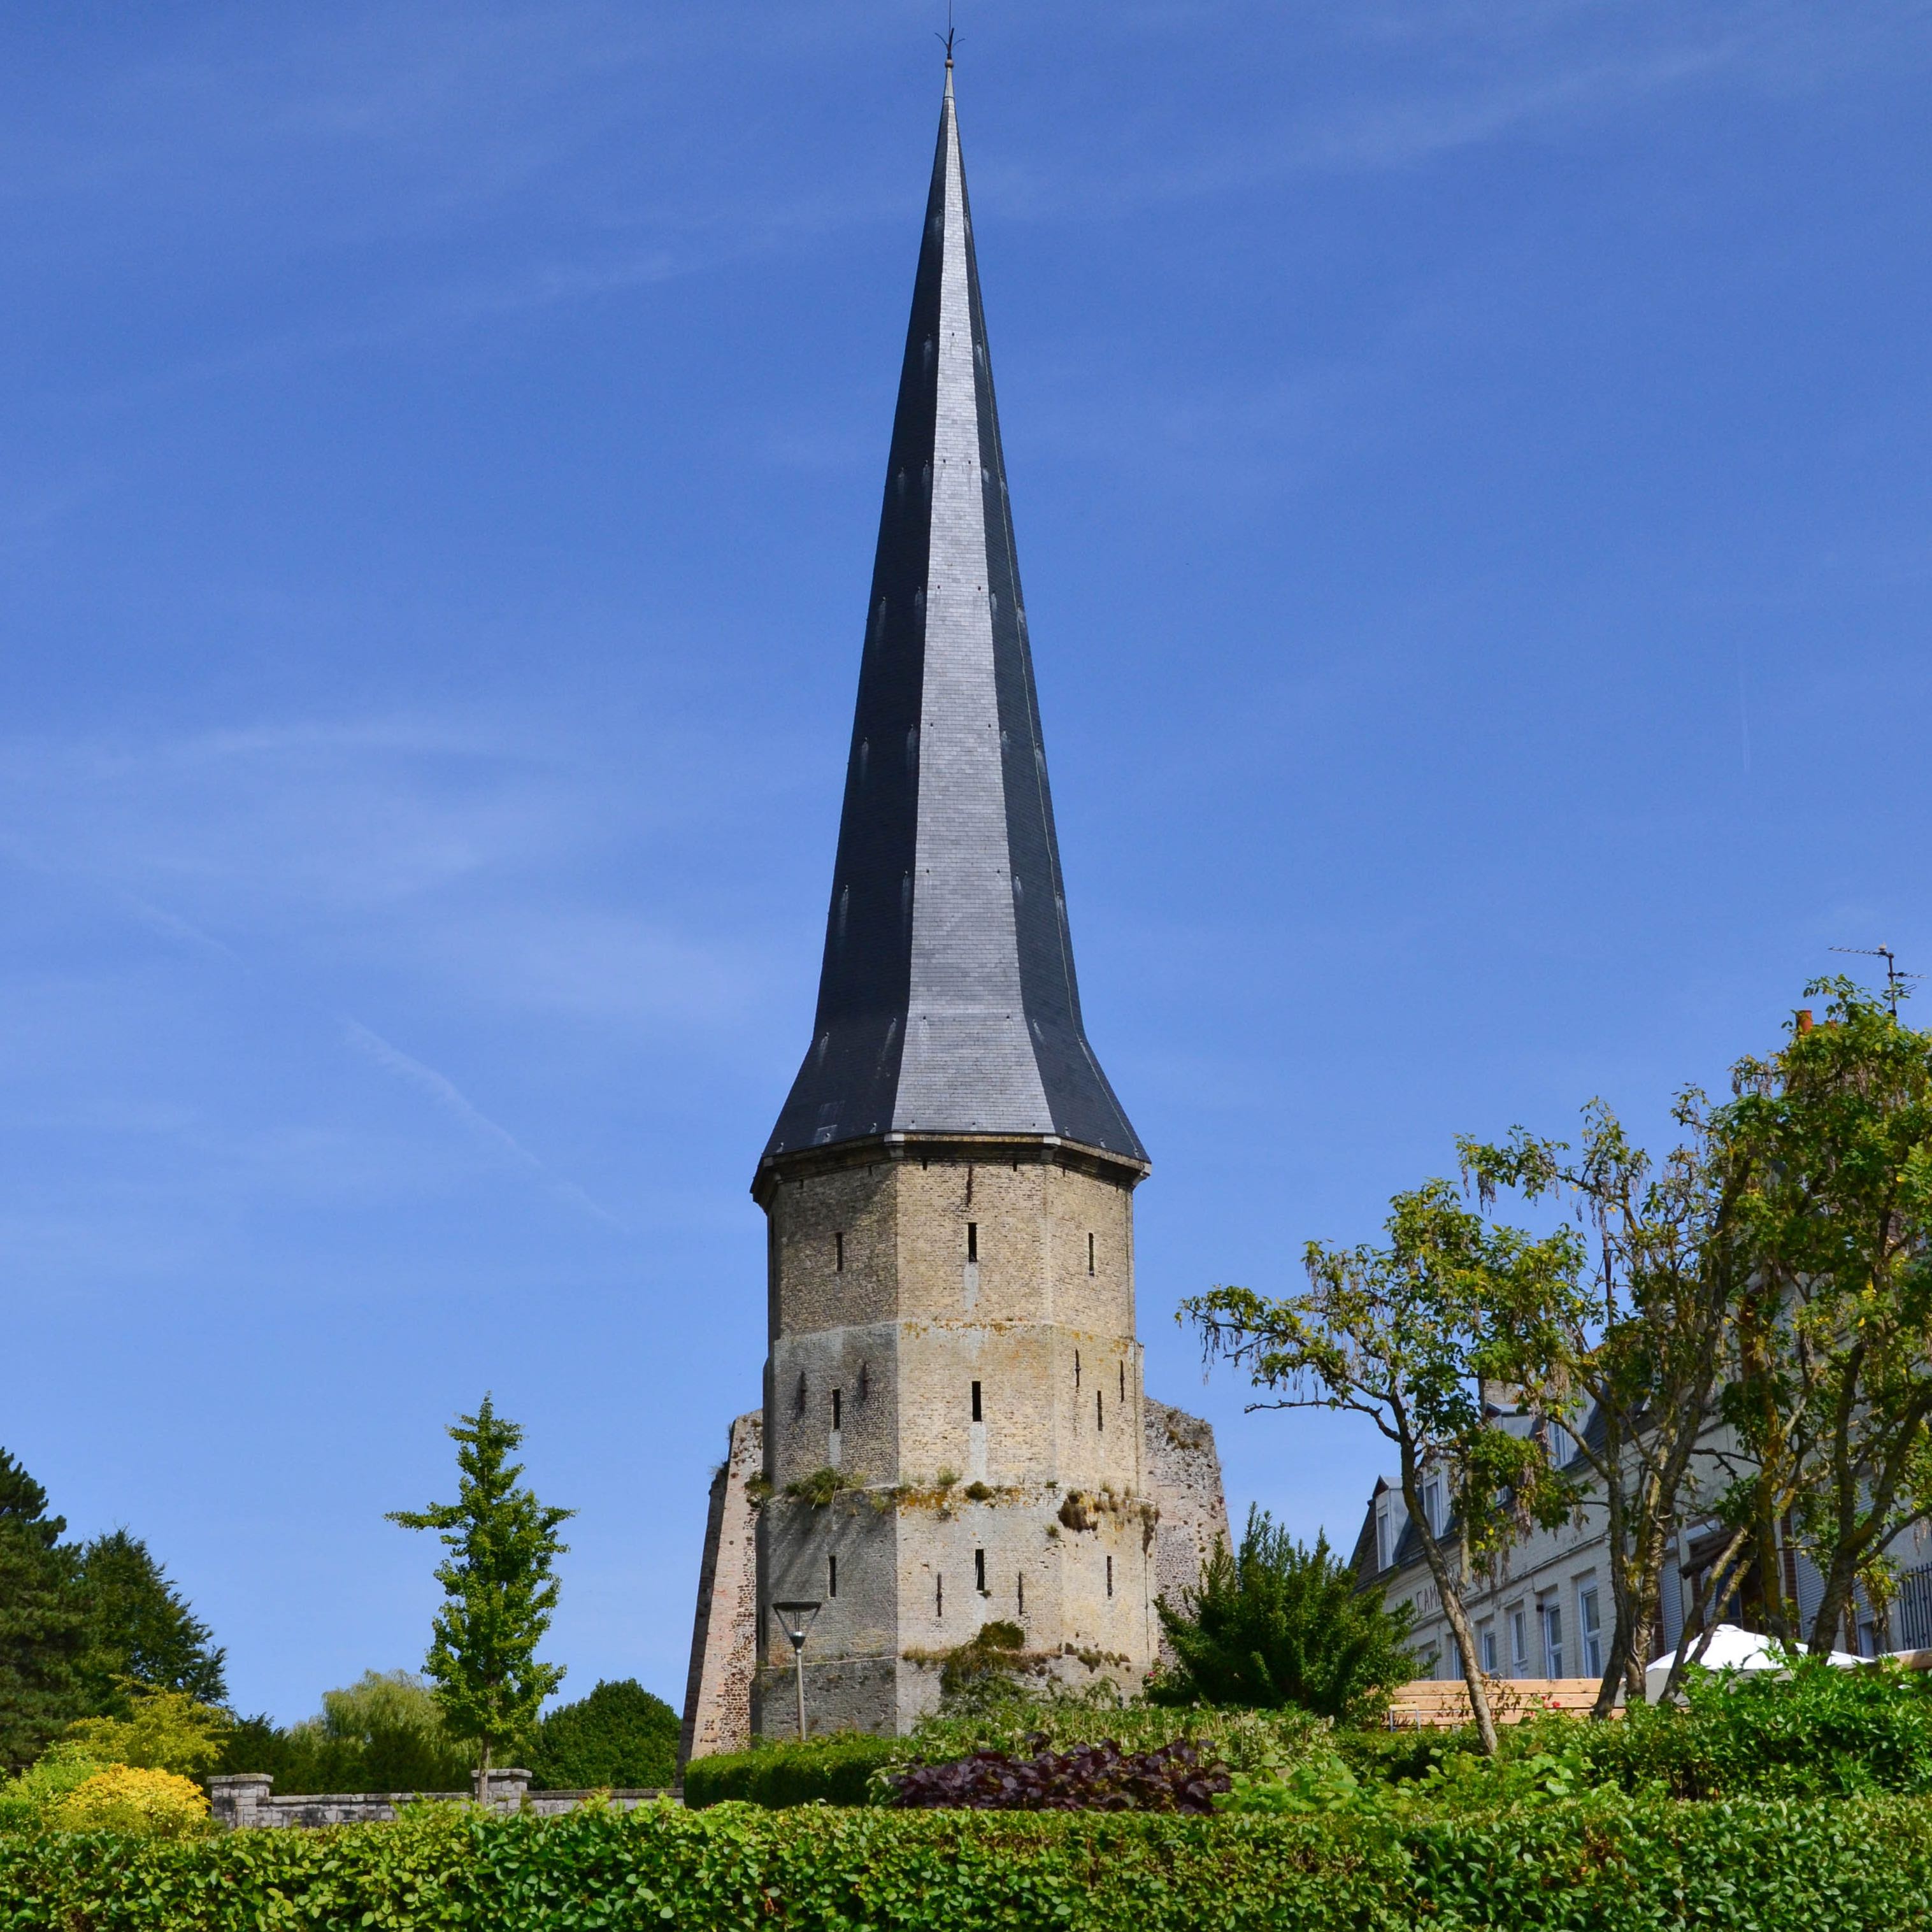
{"points": [[1432, 1705]]}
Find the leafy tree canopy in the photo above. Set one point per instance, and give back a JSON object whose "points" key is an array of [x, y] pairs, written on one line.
{"points": [[1276, 1623], [383, 1733], [620, 1736], [162, 1730]]}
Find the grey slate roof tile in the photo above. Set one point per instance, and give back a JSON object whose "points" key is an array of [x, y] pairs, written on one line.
{"points": [[947, 1001]]}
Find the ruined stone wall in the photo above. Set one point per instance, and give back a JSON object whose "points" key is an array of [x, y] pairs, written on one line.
{"points": [[724, 1632], [1184, 1479]]}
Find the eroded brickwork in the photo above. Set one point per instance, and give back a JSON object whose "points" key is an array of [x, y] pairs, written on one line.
{"points": [[723, 1636], [1183, 1476]]}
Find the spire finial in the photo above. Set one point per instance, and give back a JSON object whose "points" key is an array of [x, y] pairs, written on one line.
{"points": [[950, 35]]}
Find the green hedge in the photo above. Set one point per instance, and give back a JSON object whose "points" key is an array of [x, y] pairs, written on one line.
{"points": [[821, 1771], [1744, 1866]]}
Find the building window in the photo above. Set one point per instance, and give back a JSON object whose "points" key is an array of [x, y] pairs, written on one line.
{"points": [[1385, 1555], [1519, 1631], [1020, 1583], [1552, 1639], [979, 1571], [1099, 1411], [976, 1415], [1590, 1626], [831, 1576], [838, 1253], [838, 1409], [1124, 1385], [972, 1241], [1486, 1648], [939, 1598], [1090, 1254], [1076, 1368], [801, 1392], [1110, 1576], [1432, 1504]]}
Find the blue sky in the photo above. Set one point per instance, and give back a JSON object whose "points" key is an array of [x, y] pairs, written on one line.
{"points": [[1469, 463]]}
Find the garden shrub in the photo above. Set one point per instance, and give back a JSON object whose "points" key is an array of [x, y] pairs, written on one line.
{"points": [[835, 1770], [26, 1799], [1242, 1740], [1745, 1865], [1822, 1731], [1091, 1777], [133, 1801]]}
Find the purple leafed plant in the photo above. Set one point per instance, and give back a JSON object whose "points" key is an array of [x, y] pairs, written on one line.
{"points": [[1094, 1778]]}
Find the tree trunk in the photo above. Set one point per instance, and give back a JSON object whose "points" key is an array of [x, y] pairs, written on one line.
{"points": [[1452, 1605]]}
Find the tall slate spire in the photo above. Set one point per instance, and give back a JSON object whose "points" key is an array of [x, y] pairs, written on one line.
{"points": [[947, 1002]]}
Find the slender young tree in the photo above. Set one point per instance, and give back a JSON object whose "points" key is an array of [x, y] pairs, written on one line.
{"points": [[1413, 1336], [498, 1590], [1629, 1366]]}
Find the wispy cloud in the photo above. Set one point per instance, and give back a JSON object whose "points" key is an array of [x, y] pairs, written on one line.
{"points": [[445, 1093]]}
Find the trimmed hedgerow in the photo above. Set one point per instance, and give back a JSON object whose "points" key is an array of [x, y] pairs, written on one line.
{"points": [[1589, 1866], [821, 1771]]}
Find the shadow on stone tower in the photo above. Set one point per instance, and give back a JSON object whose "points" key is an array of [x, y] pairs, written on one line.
{"points": [[954, 1430]]}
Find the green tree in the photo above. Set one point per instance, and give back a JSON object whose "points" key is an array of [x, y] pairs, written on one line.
{"points": [[1276, 1624], [498, 1588], [1629, 1368], [159, 1730], [41, 1627], [1830, 1393], [383, 1733], [620, 1736], [139, 1626], [1414, 1336]]}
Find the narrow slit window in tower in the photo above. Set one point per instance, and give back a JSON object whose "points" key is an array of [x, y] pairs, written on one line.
{"points": [[801, 1391], [831, 1576], [1110, 1576], [979, 1571], [977, 1416], [1124, 1385], [838, 1253], [1021, 1588], [972, 1241], [1076, 1368], [939, 1598], [1099, 1411], [1090, 1254], [838, 1407]]}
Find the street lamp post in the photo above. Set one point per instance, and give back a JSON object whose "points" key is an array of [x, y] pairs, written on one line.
{"points": [[795, 1619]]}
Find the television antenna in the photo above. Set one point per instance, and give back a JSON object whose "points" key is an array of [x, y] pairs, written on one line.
{"points": [[1894, 978]]}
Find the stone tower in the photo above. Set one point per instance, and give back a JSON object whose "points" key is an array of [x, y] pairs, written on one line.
{"points": [[954, 1430]]}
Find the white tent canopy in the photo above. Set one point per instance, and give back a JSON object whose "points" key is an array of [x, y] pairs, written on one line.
{"points": [[1731, 1648]]}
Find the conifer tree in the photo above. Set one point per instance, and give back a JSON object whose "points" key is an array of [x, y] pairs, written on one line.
{"points": [[40, 1625], [1276, 1623], [498, 1586], [140, 1627]]}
